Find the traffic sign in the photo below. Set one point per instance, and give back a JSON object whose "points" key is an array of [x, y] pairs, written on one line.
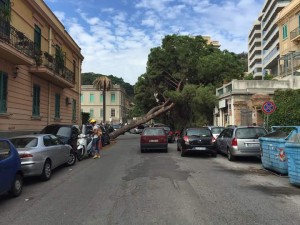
{"points": [[268, 107]]}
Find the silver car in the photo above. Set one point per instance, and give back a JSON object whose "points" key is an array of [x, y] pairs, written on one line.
{"points": [[41, 153], [240, 141]]}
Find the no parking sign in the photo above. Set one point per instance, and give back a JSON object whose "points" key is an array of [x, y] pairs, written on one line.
{"points": [[268, 107]]}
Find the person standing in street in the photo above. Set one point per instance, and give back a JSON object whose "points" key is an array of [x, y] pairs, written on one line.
{"points": [[95, 138]]}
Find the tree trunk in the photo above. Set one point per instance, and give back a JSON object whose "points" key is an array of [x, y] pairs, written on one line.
{"points": [[154, 112], [104, 103]]}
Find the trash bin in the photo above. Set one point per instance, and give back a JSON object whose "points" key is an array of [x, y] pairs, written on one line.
{"points": [[292, 149], [272, 145]]}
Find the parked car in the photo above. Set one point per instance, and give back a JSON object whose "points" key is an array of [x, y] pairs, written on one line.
{"points": [[105, 134], [240, 141], [11, 176], [215, 130], [138, 130], [67, 133], [154, 138], [196, 139], [170, 133], [41, 153]]}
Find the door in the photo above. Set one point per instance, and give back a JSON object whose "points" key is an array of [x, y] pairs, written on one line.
{"points": [[8, 166]]}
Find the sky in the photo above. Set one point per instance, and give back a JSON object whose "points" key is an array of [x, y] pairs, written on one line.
{"points": [[115, 36]]}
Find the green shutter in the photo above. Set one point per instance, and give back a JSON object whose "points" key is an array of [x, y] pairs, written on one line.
{"points": [[113, 98], [57, 106], [3, 92], [36, 100], [74, 109]]}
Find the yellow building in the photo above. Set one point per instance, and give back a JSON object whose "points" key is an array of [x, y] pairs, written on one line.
{"points": [[117, 104], [288, 21], [40, 66]]}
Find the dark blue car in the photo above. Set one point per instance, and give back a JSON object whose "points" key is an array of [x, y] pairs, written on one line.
{"points": [[11, 176]]}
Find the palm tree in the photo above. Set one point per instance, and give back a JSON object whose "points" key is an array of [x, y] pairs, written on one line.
{"points": [[105, 84]]}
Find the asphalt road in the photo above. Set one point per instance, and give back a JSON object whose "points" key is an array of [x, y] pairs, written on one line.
{"points": [[129, 188]]}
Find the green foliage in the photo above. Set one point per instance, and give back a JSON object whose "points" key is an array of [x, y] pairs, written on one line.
{"points": [[198, 66], [287, 111], [248, 77]]}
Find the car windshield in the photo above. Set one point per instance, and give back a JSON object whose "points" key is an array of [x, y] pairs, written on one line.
{"points": [[198, 132], [217, 130], [27, 142], [150, 132], [250, 133], [64, 132]]}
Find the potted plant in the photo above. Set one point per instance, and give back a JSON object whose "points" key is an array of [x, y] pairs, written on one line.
{"points": [[38, 58]]}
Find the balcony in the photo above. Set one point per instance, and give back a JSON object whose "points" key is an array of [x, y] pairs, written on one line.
{"points": [[15, 46], [51, 69], [295, 34]]}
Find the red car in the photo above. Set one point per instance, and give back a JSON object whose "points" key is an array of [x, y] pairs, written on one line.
{"points": [[154, 138]]}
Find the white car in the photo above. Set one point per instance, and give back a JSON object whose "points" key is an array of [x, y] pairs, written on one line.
{"points": [[41, 153]]}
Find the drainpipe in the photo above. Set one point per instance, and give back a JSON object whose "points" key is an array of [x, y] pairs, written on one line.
{"points": [[49, 105]]}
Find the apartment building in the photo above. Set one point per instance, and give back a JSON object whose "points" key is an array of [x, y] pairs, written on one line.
{"points": [[263, 57], [255, 50], [288, 21], [40, 66], [117, 104]]}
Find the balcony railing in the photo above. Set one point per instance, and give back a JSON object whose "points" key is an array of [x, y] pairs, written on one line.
{"points": [[57, 67], [27, 53], [16, 39], [295, 34]]}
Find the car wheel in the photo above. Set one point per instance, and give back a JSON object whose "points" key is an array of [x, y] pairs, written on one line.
{"points": [[166, 150], [17, 186], [230, 157], [47, 171], [72, 159], [80, 153], [142, 150], [214, 154]]}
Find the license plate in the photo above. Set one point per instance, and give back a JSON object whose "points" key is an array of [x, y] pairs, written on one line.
{"points": [[252, 145], [153, 140], [200, 148]]}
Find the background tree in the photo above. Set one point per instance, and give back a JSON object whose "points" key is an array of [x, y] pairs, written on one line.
{"points": [[182, 73], [105, 84]]}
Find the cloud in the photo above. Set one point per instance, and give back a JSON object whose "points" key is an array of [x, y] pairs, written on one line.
{"points": [[116, 38]]}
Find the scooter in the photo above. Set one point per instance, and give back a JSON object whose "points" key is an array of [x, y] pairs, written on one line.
{"points": [[84, 145]]}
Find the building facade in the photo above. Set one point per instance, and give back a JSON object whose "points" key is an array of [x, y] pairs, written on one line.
{"points": [[240, 101], [40, 66], [288, 21], [117, 104], [263, 56]]}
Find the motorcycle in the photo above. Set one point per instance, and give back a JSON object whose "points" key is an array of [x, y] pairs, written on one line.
{"points": [[84, 145]]}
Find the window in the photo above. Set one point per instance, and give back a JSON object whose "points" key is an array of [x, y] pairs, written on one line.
{"points": [[36, 100], [74, 109], [284, 31], [91, 112], [3, 92], [37, 39], [92, 97], [112, 98], [81, 98], [101, 98], [4, 150], [113, 113], [57, 106]]}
